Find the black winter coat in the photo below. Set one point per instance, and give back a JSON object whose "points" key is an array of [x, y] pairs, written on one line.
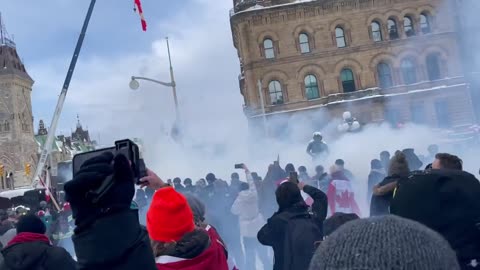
{"points": [[380, 205], [36, 256], [271, 234], [116, 242]]}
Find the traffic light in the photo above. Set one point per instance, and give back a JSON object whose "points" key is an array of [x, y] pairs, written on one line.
{"points": [[2, 170], [28, 168]]}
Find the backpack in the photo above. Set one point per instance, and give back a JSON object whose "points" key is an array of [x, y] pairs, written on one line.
{"points": [[301, 235]]}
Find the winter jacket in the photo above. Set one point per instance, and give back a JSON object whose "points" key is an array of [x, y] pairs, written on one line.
{"points": [[374, 178], [380, 203], [341, 197], [271, 233], [447, 201], [383, 194], [199, 250], [32, 251], [116, 241], [247, 210]]}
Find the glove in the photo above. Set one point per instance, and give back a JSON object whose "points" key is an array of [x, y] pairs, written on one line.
{"points": [[93, 173]]}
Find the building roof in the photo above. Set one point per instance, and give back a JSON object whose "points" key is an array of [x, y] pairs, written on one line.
{"points": [[10, 63], [42, 139]]}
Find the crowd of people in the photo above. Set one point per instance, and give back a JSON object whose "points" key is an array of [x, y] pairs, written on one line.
{"points": [[424, 214]]}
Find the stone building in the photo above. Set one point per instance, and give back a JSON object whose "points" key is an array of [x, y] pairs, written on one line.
{"points": [[17, 145], [385, 60], [65, 147]]}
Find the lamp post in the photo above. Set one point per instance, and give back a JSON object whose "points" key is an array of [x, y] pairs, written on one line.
{"points": [[134, 84]]}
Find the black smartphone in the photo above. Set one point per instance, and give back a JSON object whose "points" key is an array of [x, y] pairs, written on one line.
{"points": [[239, 166], [294, 177]]}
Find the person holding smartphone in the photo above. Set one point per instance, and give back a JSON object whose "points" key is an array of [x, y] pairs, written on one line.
{"points": [[248, 212], [294, 229]]}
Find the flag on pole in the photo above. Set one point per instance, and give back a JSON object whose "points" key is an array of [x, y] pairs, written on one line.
{"points": [[138, 6]]}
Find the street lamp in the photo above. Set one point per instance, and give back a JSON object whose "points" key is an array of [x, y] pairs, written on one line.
{"points": [[134, 84]]}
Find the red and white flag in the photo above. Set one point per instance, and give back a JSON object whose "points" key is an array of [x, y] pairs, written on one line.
{"points": [[138, 7]]}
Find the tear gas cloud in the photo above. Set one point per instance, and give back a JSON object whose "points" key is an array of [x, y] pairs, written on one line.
{"points": [[215, 129]]}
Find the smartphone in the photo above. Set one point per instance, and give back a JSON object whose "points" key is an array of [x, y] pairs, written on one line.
{"points": [[239, 166], [293, 177]]}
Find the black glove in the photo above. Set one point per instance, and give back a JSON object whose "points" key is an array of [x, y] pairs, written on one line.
{"points": [[94, 174]]}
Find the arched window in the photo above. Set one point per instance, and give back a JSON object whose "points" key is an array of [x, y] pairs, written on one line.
{"points": [[408, 26], [425, 23], [376, 31], [340, 36], [409, 71], [268, 48], [275, 92], [433, 67], [304, 43], [384, 73], [311, 87], [392, 29], [348, 81]]}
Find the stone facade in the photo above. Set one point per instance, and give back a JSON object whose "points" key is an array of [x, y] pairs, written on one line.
{"points": [[281, 43], [17, 145]]}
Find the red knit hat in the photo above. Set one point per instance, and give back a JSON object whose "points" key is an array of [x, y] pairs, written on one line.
{"points": [[169, 216]]}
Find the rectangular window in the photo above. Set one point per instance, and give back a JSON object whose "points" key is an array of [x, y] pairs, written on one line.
{"points": [[418, 113], [442, 113]]}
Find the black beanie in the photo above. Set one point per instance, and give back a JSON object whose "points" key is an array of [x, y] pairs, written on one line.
{"points": [[32, 224], [288, 194]]}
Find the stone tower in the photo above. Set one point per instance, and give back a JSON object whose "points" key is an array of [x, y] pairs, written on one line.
{"points": [[17, 145]]}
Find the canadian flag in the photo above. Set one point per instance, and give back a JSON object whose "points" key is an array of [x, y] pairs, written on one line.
{"points": [[138, 6]]}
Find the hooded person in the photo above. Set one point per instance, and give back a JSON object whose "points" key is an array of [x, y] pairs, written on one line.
{"points": [[386, 242], [383, 192], [251, 221], [176, 241], [108, 234], [341, 197], [293, 231], [448, 202], [31, 249]]}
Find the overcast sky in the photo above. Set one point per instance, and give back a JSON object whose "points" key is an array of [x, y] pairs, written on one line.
{"points": [[115, 48]]}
